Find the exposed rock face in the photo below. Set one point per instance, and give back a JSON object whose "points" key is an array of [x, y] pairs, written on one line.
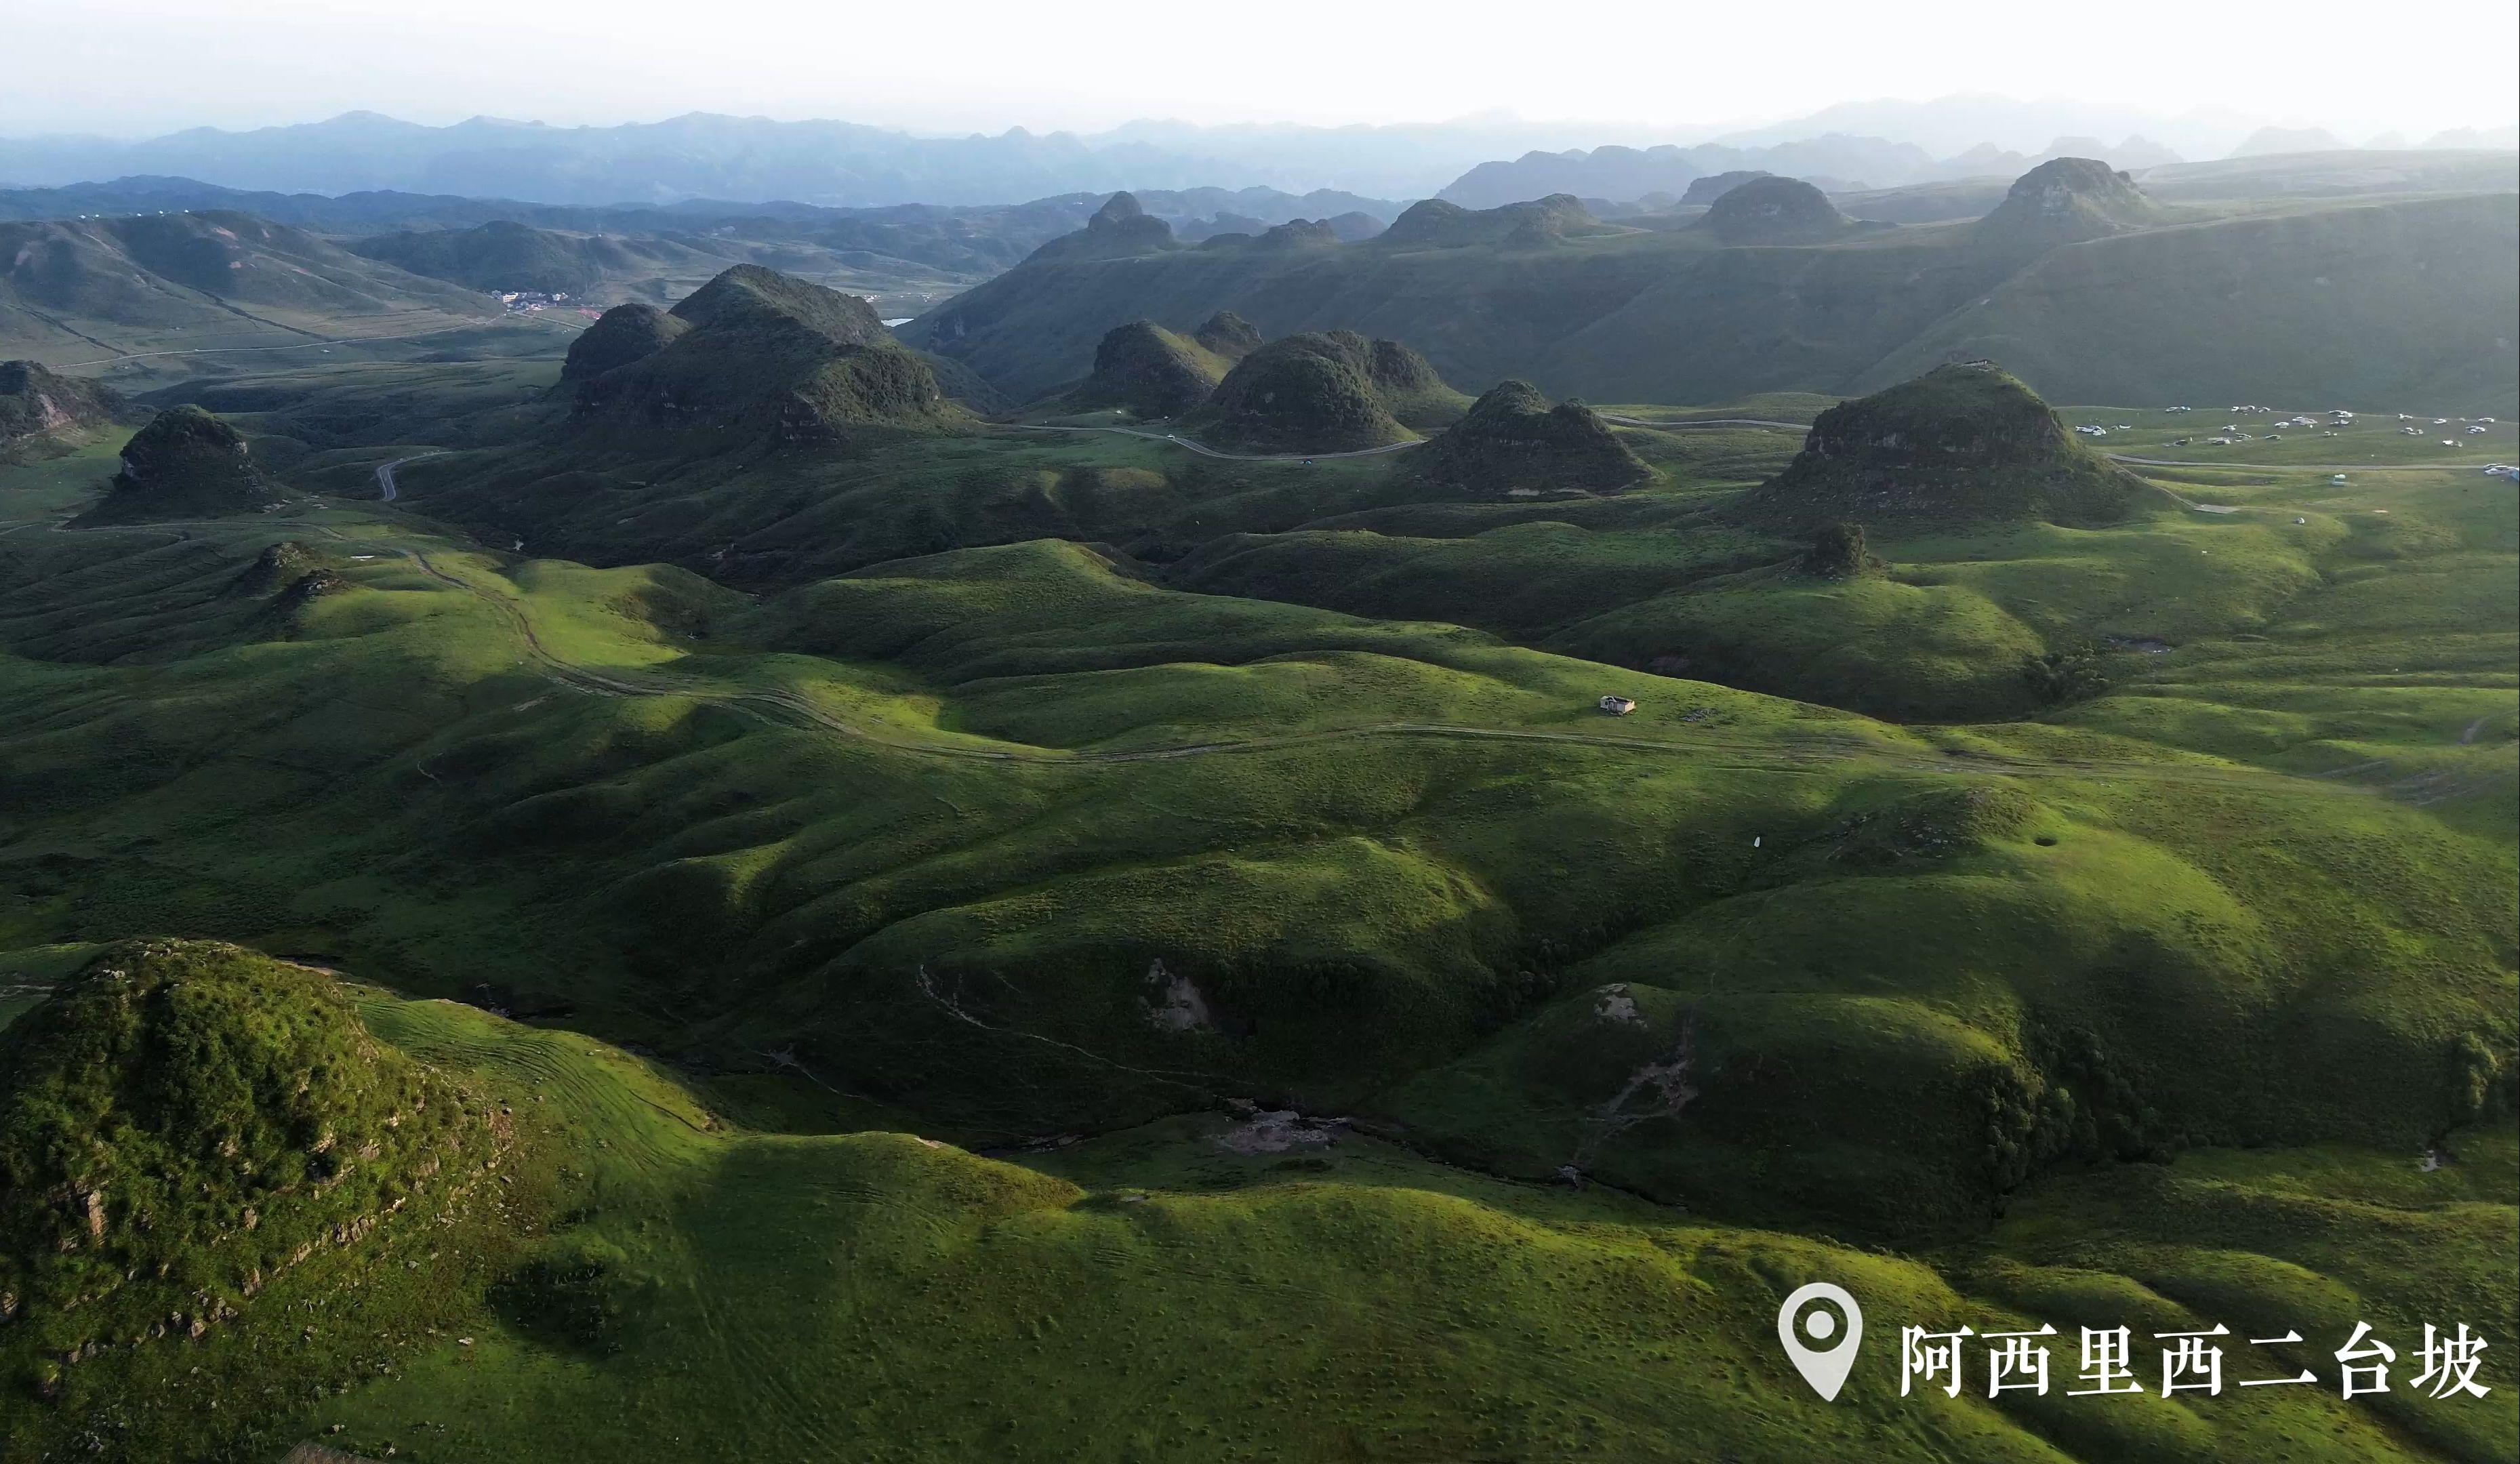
{"points": [[758, 356], [1512, 441], [1320, 392], [1150, 370], [185, 463], [278, 565], [2066, 201], [1960, 443], [622, 335], [1228, 335], [42, 411], [1775, 211]]}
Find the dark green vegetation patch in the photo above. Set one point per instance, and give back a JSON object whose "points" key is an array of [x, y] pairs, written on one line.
{"points": [[764, 358], [185, 463], [1962, 444], [181, 1125], [1775, 211], [1150, 372], [1334, 391], [1513, 442]]}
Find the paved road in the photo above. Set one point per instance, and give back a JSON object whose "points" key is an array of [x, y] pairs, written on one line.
{"points": [[385, 474]]}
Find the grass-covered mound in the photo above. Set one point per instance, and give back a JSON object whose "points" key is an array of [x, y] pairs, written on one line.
{"points": [[1961, 444], [1120, 229], [765, 358], [501, 255], [1706, 190], [43, 411], [1775, 211], [1229, 335], [183, 1124], [1512, 441], [1439, 224], [2066, 201], [186, 464], [1324, 392], [620, 335], [1150, 370]]}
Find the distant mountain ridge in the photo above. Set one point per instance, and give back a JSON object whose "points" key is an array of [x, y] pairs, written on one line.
{"points": [[702, 156], [2083, 285], [1836, 164]]}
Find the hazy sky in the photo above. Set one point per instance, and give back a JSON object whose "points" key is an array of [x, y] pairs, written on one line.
{"points": [[133, 68]]}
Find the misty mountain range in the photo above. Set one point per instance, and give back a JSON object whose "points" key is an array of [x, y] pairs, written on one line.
{"points": [[844, 164]]}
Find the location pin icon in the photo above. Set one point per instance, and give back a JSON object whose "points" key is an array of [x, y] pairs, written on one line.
{"points": [[1800, 1324]]}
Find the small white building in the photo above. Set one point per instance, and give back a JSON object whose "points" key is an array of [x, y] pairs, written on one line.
{"points": [[1618, 706]]}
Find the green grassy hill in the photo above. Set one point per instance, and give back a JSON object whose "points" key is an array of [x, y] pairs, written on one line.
{"points": [[1178, 937], [1330, 392], [1958, 445], [1512, 443], [2374, 306], [762, 358], [87, 290], [43, 411], [664, 1281], [1149, 372], [504, 256], [190, 1134], [1770, 211], [185, 463], [1623, 314]]}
